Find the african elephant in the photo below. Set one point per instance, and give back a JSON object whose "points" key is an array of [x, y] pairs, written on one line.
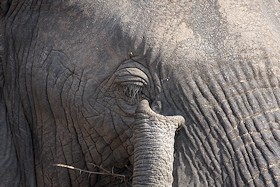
{"points": [[163, 93]]}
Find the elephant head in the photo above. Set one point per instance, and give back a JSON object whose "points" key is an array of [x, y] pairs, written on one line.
{"points": [[173, 92]]}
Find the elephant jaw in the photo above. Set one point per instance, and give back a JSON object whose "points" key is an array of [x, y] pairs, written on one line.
{"points": [[153, 140]]}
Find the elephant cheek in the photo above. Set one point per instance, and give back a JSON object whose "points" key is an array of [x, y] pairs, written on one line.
{"points": [[153, 140]]}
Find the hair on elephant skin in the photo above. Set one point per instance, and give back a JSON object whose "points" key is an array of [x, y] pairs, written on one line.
{"points": [[139, 93]]}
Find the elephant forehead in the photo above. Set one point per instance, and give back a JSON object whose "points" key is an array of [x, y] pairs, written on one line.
{"points": [[100, 34], [202, 31]]}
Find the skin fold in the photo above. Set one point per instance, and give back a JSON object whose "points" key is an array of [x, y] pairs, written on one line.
{"points": [[79, 79]]}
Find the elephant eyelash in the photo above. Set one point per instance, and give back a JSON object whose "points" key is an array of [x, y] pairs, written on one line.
{"points": [[132, 91]]}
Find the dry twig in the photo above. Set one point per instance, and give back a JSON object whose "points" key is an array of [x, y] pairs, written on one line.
{"points": [[106, 172]]}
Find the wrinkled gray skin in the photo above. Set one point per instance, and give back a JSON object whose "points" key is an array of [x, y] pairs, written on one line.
{"points": [[86, 82]]}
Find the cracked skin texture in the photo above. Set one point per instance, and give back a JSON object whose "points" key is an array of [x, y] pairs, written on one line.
{"points": [[69, 91]]}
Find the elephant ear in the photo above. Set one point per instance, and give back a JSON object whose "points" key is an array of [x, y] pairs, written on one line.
{"points": [[4, 6], [9, 172]]}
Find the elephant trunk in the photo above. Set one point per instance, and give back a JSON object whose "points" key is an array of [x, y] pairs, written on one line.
{"points": [[153, 140]]}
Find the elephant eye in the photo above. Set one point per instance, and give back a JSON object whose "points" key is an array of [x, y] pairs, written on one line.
{"points": [[131, 84], [133, 93]]}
